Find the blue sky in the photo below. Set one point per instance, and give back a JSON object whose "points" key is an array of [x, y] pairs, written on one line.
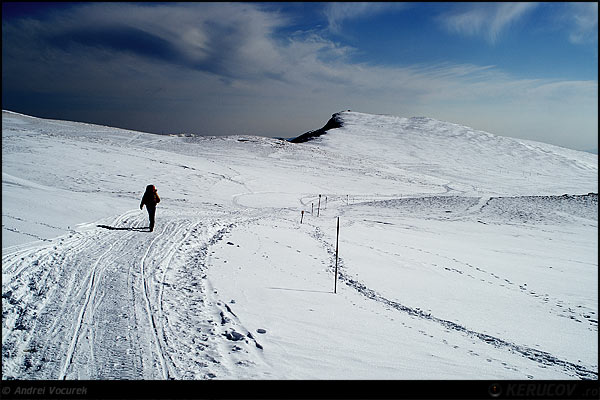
{"points": [[527, 70]]}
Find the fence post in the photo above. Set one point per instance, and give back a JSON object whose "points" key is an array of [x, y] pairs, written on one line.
{"points": [[302, 216], [319, 206], [312, 208], [337, 237]]}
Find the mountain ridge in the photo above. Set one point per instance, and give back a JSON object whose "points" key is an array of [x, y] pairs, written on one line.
{"points": [[458, 242]]}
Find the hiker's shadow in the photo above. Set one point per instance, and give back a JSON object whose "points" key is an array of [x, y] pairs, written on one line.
{"points": [[114, 228]]}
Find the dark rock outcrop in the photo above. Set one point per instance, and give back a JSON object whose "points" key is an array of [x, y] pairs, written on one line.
{"points": [[334, 122]]}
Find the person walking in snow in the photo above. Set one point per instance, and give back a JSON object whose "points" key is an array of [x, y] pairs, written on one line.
{"points": [[150, 199]]}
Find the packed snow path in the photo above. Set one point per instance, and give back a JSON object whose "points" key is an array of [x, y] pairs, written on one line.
{"points": [[116, 293], [444, 273]]}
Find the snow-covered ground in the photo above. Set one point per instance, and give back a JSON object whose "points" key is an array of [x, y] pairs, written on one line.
{"points": [[462, 255]]}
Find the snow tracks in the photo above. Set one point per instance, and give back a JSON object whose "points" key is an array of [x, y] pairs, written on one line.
{"points": [[105, 302], [542, 358]]}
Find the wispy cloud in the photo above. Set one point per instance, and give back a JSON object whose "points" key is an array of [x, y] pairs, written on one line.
{"points": [[486, 19], [232, 40], [338, 13], [584, 22], [227, 66]]}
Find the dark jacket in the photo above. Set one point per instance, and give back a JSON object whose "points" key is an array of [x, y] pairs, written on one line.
{"points": [[150, 197]]}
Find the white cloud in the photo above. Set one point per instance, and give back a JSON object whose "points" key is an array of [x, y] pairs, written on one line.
{"points": [[238, 42], [230, 64], [338, 13], [584, 21], [486, 19]]}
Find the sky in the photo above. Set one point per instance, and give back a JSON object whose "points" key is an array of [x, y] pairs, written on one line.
{"points": [[526, 70]]}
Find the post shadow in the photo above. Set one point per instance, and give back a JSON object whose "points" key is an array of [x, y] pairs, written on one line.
{"points": [[300, 290], [114, 228]]}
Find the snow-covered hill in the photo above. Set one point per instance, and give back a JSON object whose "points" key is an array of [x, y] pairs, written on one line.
{"points": [[462, 255], [471, 161]]}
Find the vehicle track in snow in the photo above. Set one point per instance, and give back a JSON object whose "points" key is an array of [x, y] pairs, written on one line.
{"points": [[92, 287], [145, 290], [104, 302], [73, 306], [39, 286], [98, 346]]}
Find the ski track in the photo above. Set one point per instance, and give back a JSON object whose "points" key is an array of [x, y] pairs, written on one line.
{"points": [[99, 319], [538, 356], [159, 351], [92, 287], [123, 323], [161, 315], [146, 338], [483, 275]]}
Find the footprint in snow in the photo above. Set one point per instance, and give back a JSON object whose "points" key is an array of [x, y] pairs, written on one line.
{"points": [[233, 335]]}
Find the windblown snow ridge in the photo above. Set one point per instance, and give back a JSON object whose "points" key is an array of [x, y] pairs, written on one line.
{"points": [[521, 209]]}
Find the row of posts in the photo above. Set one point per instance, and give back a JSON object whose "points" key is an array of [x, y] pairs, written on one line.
{"points": [[312, 207], [337, 237]]}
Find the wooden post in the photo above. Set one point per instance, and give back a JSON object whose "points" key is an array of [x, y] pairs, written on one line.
{"points": [[336, 255], [347, 199], [312, 208], [319, 206], [325, 202], [302, 216]]}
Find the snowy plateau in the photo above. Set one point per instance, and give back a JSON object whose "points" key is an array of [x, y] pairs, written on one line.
{"points": [[462, 254]]}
